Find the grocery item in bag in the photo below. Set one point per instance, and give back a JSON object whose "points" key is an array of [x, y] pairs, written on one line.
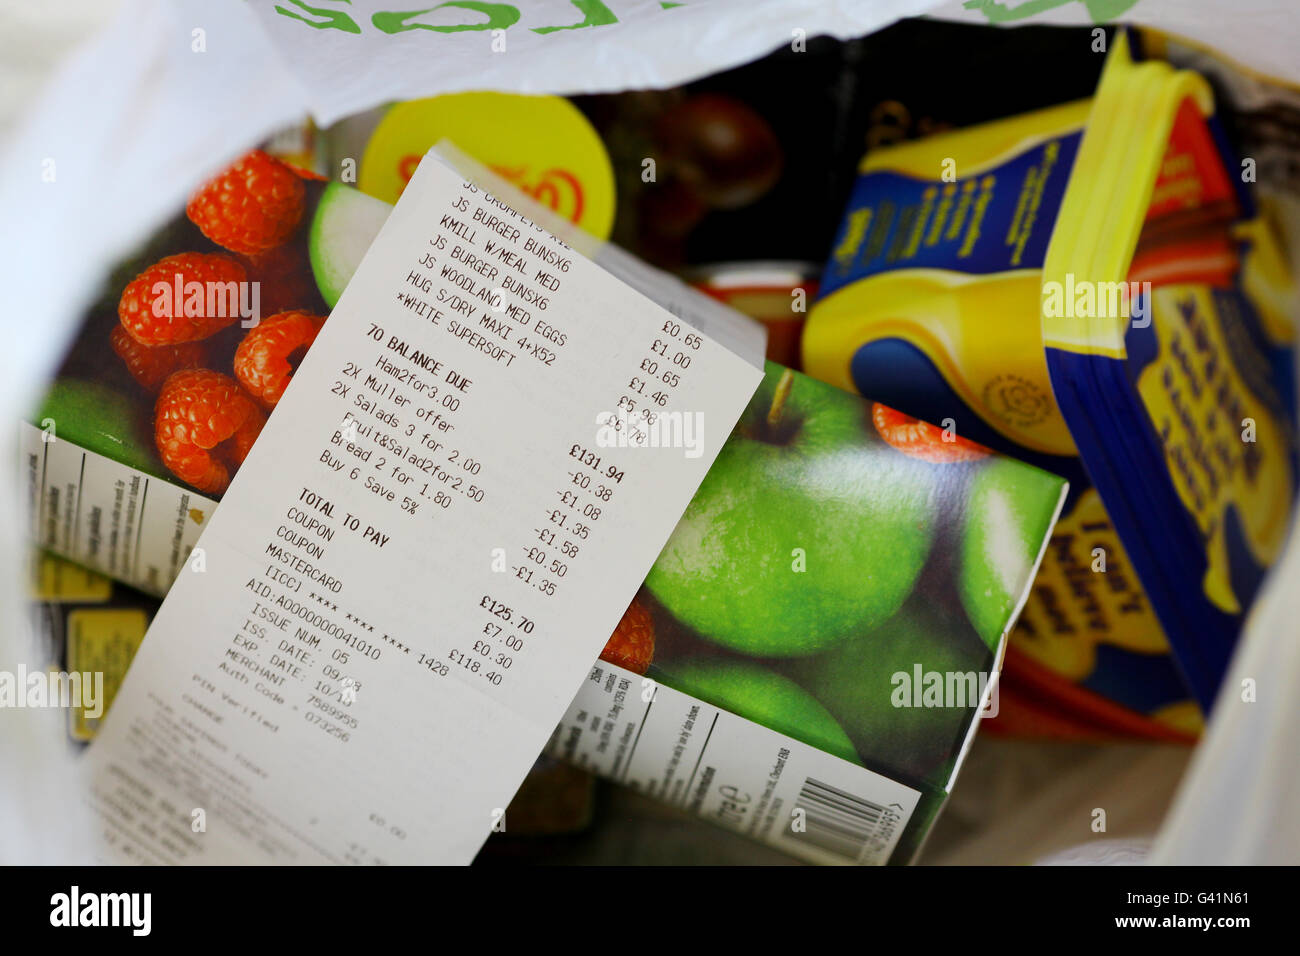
{"points": [[777, 294], [931, 301]]}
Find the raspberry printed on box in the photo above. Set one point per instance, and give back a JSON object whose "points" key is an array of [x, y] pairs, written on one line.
{"points": [[252, 207], [182, 298], [265, 360]]}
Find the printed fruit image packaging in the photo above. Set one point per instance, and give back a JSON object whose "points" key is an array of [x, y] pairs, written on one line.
{"points": [[862, 678], [172, 375], [843, 581], [1087, 287]]}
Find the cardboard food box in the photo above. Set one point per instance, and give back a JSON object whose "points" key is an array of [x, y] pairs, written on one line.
{"points": [[805, 661], [843, 581]]}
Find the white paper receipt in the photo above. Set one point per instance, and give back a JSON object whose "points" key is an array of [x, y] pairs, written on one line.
{"points": [[433, 537]]}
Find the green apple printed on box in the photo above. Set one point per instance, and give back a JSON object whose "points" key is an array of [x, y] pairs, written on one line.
{"points": [[835, 545]]}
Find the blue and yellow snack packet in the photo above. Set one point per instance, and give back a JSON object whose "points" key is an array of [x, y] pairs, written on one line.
{"points": [[1087, 287]]}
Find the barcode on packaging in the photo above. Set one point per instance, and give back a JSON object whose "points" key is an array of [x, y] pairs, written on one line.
{"points": [[731, 771]]}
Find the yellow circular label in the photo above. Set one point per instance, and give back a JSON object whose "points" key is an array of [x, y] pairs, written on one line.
{"points": [[542, 144]]}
